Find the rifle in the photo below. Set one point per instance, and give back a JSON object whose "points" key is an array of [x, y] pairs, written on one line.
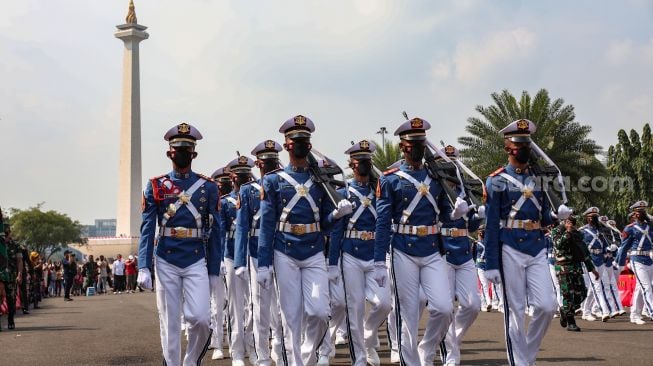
{"points": [[324, 177], [550, 172], [444, 172]]}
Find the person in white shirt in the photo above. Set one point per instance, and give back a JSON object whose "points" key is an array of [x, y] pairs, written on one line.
{"points": [[118, 270]]}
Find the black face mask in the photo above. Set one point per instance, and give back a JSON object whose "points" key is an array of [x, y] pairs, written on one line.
{"points": [[522, 155], [364, 167], [301, 149], [594, 221], [642, 216], [269, 165], [241, 179], [224, 188], [416, 152], [182, 158]]}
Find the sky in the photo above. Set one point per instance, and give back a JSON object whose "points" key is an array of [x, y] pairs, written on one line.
{"points": [[238, 69]]}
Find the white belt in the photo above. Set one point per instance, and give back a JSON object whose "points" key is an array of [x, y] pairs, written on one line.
{"points": [[596, 251], [453, 232], [299, 229], [421, 230], [520, 224], [254, 232], [180, 232], [640, 252], [552, 256], [362, 235]]}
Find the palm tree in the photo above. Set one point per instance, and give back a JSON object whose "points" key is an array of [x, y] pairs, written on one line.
{"points": [[383, 158], [564, 140]]}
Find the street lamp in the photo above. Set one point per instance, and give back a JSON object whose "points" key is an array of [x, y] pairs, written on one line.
{"points": [[382, 131]]}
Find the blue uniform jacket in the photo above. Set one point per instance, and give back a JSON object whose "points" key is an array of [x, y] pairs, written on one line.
{"points": [[180, 252], [361, 249], [250, 202], [459, 249], [599, 244], [228, 212], [480, 255], [277, 193], [394, 194], [632, 238], [609, 239], [501, 195]]}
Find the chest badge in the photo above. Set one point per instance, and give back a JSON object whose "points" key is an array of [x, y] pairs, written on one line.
{"points": [[527, 192], [183, 197], [423, 189], [301, 190], [366, 202]]}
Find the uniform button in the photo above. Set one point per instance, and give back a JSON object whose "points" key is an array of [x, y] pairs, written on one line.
{"points": [[169, 251], [355, 248], [410, 245], [196, 251], [433, 244], [405, 199], [513, 201], [467, 252], [448, 252], [289, 244], [201, 208], [283, 200], [520, 240]]}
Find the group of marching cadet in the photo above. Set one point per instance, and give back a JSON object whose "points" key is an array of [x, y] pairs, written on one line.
{"points": [[297, 261]]}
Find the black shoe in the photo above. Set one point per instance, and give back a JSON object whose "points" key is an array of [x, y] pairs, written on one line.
{"points": [[563, 318], [25, 311], [67, 299], [11, 324], [572, 327]]}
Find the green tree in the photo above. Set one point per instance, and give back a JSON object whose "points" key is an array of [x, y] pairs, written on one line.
{"points": [[383, 158], [630, 158], [563, 139], [44, 231]]}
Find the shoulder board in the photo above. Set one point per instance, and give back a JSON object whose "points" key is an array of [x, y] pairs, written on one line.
{"points": [[274, 171], [160, 176], [497, 172], [631, 224], [390, 171], [224, 196], [246, 184], [205, 177]]}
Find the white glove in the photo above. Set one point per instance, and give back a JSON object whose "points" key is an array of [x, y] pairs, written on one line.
{"points": [[214, 281], [223, 269], [380, 273], [344, 208], [460, 209], [613, 248], [334, 274], [144, 278], [493, 275], [564, 212], [481, 212], [241, 272], [263, 277]]}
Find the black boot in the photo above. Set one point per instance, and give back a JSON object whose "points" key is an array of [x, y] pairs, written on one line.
{"points": [[563, 318], [571, 326], [10, 323]]}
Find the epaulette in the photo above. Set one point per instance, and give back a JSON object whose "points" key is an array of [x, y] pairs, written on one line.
{"points": [[390, 171], [246, 183], [498, 171], [273, 171], [159, 177], [205, 177]]}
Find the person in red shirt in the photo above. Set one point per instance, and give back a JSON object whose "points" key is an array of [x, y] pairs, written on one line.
{"points": [[131, 271]]}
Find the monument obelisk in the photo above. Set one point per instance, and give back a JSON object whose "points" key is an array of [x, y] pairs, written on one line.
{"points": [[129, 173]]}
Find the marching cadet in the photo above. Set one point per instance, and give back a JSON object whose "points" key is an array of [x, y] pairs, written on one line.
{"points": [[184, 205], [409, 206], [515, 249], [596, 246], [486, 300], [571, 253], [609, 279], [352, 248], [218, 291], [637, 240], [241, 339], [264, 300], [296, 214], [461, 273]]}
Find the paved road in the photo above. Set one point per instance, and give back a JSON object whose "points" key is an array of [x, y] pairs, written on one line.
{"points": [[123, 330]]}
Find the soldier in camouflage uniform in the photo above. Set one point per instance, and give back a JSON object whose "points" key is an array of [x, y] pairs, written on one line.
{"points": [[570, 254]]}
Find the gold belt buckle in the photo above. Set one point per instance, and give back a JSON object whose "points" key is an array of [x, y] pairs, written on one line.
{"points": [[366, 235], [298, 229], [422, 231], [180, 232], [530, 225]]}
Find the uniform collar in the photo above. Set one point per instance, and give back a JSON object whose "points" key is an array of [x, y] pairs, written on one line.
{"points": [[513, 170], [176, 175], [356, 183], [291, 168], [409, 168]]}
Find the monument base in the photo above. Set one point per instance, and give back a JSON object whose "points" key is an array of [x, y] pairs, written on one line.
{"points": [[110, 247]]}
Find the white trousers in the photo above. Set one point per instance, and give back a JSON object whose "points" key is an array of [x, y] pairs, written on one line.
{"points": [[613, 290], [556, 284], [484, 291], [391, 323], [266, 318], [644, 277], [497, 296], [430, 273], [596, 293], [189, 285], [303, 287], [241, 338], [526, 276], [463, 284], [612, 300], [363, 329], [337, 317], [218, 293]]}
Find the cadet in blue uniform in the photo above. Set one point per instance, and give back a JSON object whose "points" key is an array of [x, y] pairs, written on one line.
{"points": [[410, 205], [611, 237], [486, 299], [241, 339], [218, 290], [596, 290], [184, 205], [296, 214], [462, 275], [352, 252], [516, 210], [637, 240], [264, 300]]}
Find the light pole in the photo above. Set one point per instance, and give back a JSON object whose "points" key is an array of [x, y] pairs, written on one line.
{"points": [[382, 131]]}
